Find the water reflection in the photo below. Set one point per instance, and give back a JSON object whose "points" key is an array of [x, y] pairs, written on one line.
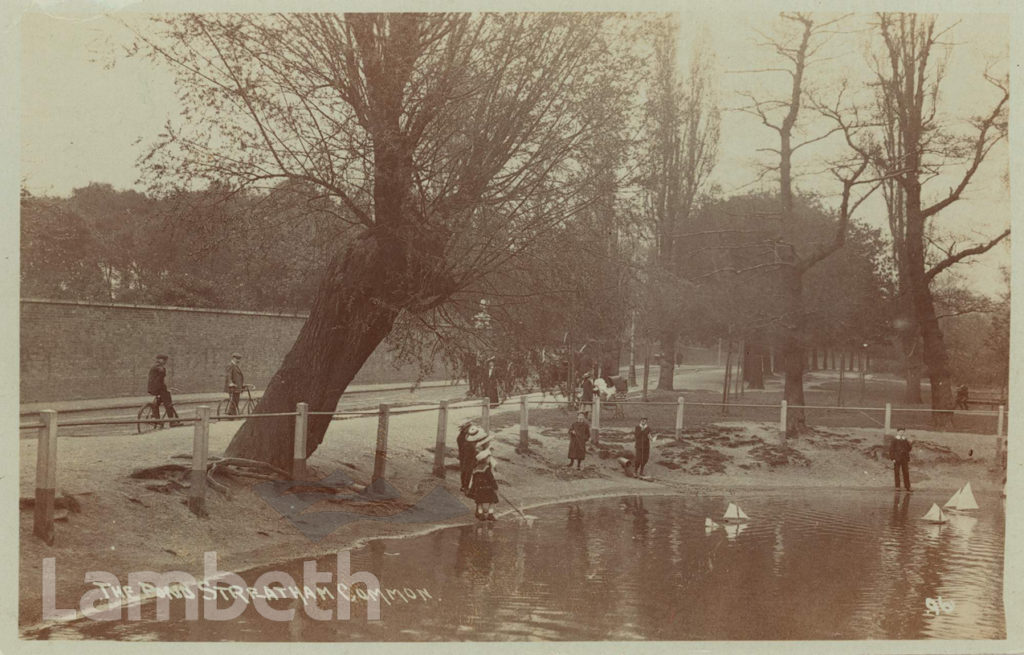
{"points": [[821, 565]]}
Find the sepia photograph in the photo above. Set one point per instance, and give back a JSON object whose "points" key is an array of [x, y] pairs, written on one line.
{"points": [[558, 324]]}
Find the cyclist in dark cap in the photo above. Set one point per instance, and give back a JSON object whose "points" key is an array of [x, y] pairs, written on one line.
{"points": [[234, 380], [157, 386]]}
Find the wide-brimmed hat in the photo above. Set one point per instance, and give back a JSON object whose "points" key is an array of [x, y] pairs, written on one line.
{"points": [[477, 434], [236, 355]]}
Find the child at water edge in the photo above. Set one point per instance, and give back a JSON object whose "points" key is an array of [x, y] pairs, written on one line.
{"points": [[483, 488], [579, 435], [642, 447]]}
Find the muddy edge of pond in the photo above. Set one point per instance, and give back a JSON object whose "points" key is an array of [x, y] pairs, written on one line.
{"points": [[125, 525]]}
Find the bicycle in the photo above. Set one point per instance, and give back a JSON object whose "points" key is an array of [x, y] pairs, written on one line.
{"points": [[224, 406], [149, 412]]}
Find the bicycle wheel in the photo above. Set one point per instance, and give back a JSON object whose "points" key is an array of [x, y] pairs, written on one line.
{"points": [[146, 414], [222, 409], [250, 406]]}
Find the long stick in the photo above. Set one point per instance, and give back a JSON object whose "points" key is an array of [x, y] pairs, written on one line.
{"points": [[503, 497]]}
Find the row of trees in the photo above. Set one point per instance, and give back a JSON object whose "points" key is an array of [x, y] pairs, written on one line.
{"points": [[387, 171]]}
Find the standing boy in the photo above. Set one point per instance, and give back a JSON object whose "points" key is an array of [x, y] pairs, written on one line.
{"points": [[899, 453]]}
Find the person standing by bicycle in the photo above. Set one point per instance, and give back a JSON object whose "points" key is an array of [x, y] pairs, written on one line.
{"points": [[157, 385], [234, 381]]}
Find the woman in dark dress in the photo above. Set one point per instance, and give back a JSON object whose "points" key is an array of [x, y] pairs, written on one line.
{"points": [[579, 435], [467, 454], [586, 393], [642, 438]]}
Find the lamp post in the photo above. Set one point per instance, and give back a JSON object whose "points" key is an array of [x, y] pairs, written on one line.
{"points": [[482, 325], [863, 371]]}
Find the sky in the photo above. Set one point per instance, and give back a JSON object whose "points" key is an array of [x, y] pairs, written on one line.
{"points": [[88, 112]]}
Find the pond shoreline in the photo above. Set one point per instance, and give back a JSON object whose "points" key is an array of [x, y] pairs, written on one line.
{"points": [[129, 528]]}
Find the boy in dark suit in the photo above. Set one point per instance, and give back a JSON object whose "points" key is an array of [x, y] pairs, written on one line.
{"points": [[899, 453]]}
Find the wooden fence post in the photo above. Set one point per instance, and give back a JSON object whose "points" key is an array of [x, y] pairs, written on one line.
{"points": [[485, 415], [200, 445], [46, 476], [782, 417], [381, 456], [439, 447], [888, 418], [679, 418], [595, 429], [524, 425], [301, 430]]}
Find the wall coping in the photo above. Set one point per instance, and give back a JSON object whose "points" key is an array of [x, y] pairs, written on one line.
{"points": [[167, 308]]}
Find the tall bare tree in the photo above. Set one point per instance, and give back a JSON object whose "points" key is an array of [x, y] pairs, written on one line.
{"points": [[683, 120], [905, 322], [910, 74], [445, 140], [781, 115]]}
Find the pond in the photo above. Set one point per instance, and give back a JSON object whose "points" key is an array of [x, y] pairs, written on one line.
{"points": [[816, 564]]}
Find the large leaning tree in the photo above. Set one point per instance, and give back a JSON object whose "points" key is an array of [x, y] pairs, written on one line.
{"points": [[447, 143]]}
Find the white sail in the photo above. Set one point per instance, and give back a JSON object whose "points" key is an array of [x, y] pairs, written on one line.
{"points": [[954, 499], [709, 524], [734, 514], [935, 515], [966, 501]]}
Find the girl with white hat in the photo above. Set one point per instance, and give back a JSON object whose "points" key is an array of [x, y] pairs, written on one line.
{"points": [[483, 488]]}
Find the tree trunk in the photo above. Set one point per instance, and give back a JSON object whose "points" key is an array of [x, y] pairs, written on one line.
{"points": [[753, 368], [934, 356], [667, 365], [793, 349], [346, 324], [632, 351], [727, 379]]}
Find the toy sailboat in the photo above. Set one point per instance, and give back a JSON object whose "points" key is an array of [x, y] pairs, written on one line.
{"points": [[962, 501], [935, 515], [734, 530], [710, 525], [733, 514]]}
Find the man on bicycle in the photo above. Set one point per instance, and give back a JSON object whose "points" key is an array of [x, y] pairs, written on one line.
{"points": [[157, 386], [234, 381]]}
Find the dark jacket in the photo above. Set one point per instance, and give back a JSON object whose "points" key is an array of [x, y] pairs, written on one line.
{"points": [[642, 441], [467, 456], [899, 451], [587, 394], [233, 375], [156, 382], [579, 435]]}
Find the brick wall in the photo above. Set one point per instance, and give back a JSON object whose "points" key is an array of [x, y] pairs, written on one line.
{"points": [[73, 350]]}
